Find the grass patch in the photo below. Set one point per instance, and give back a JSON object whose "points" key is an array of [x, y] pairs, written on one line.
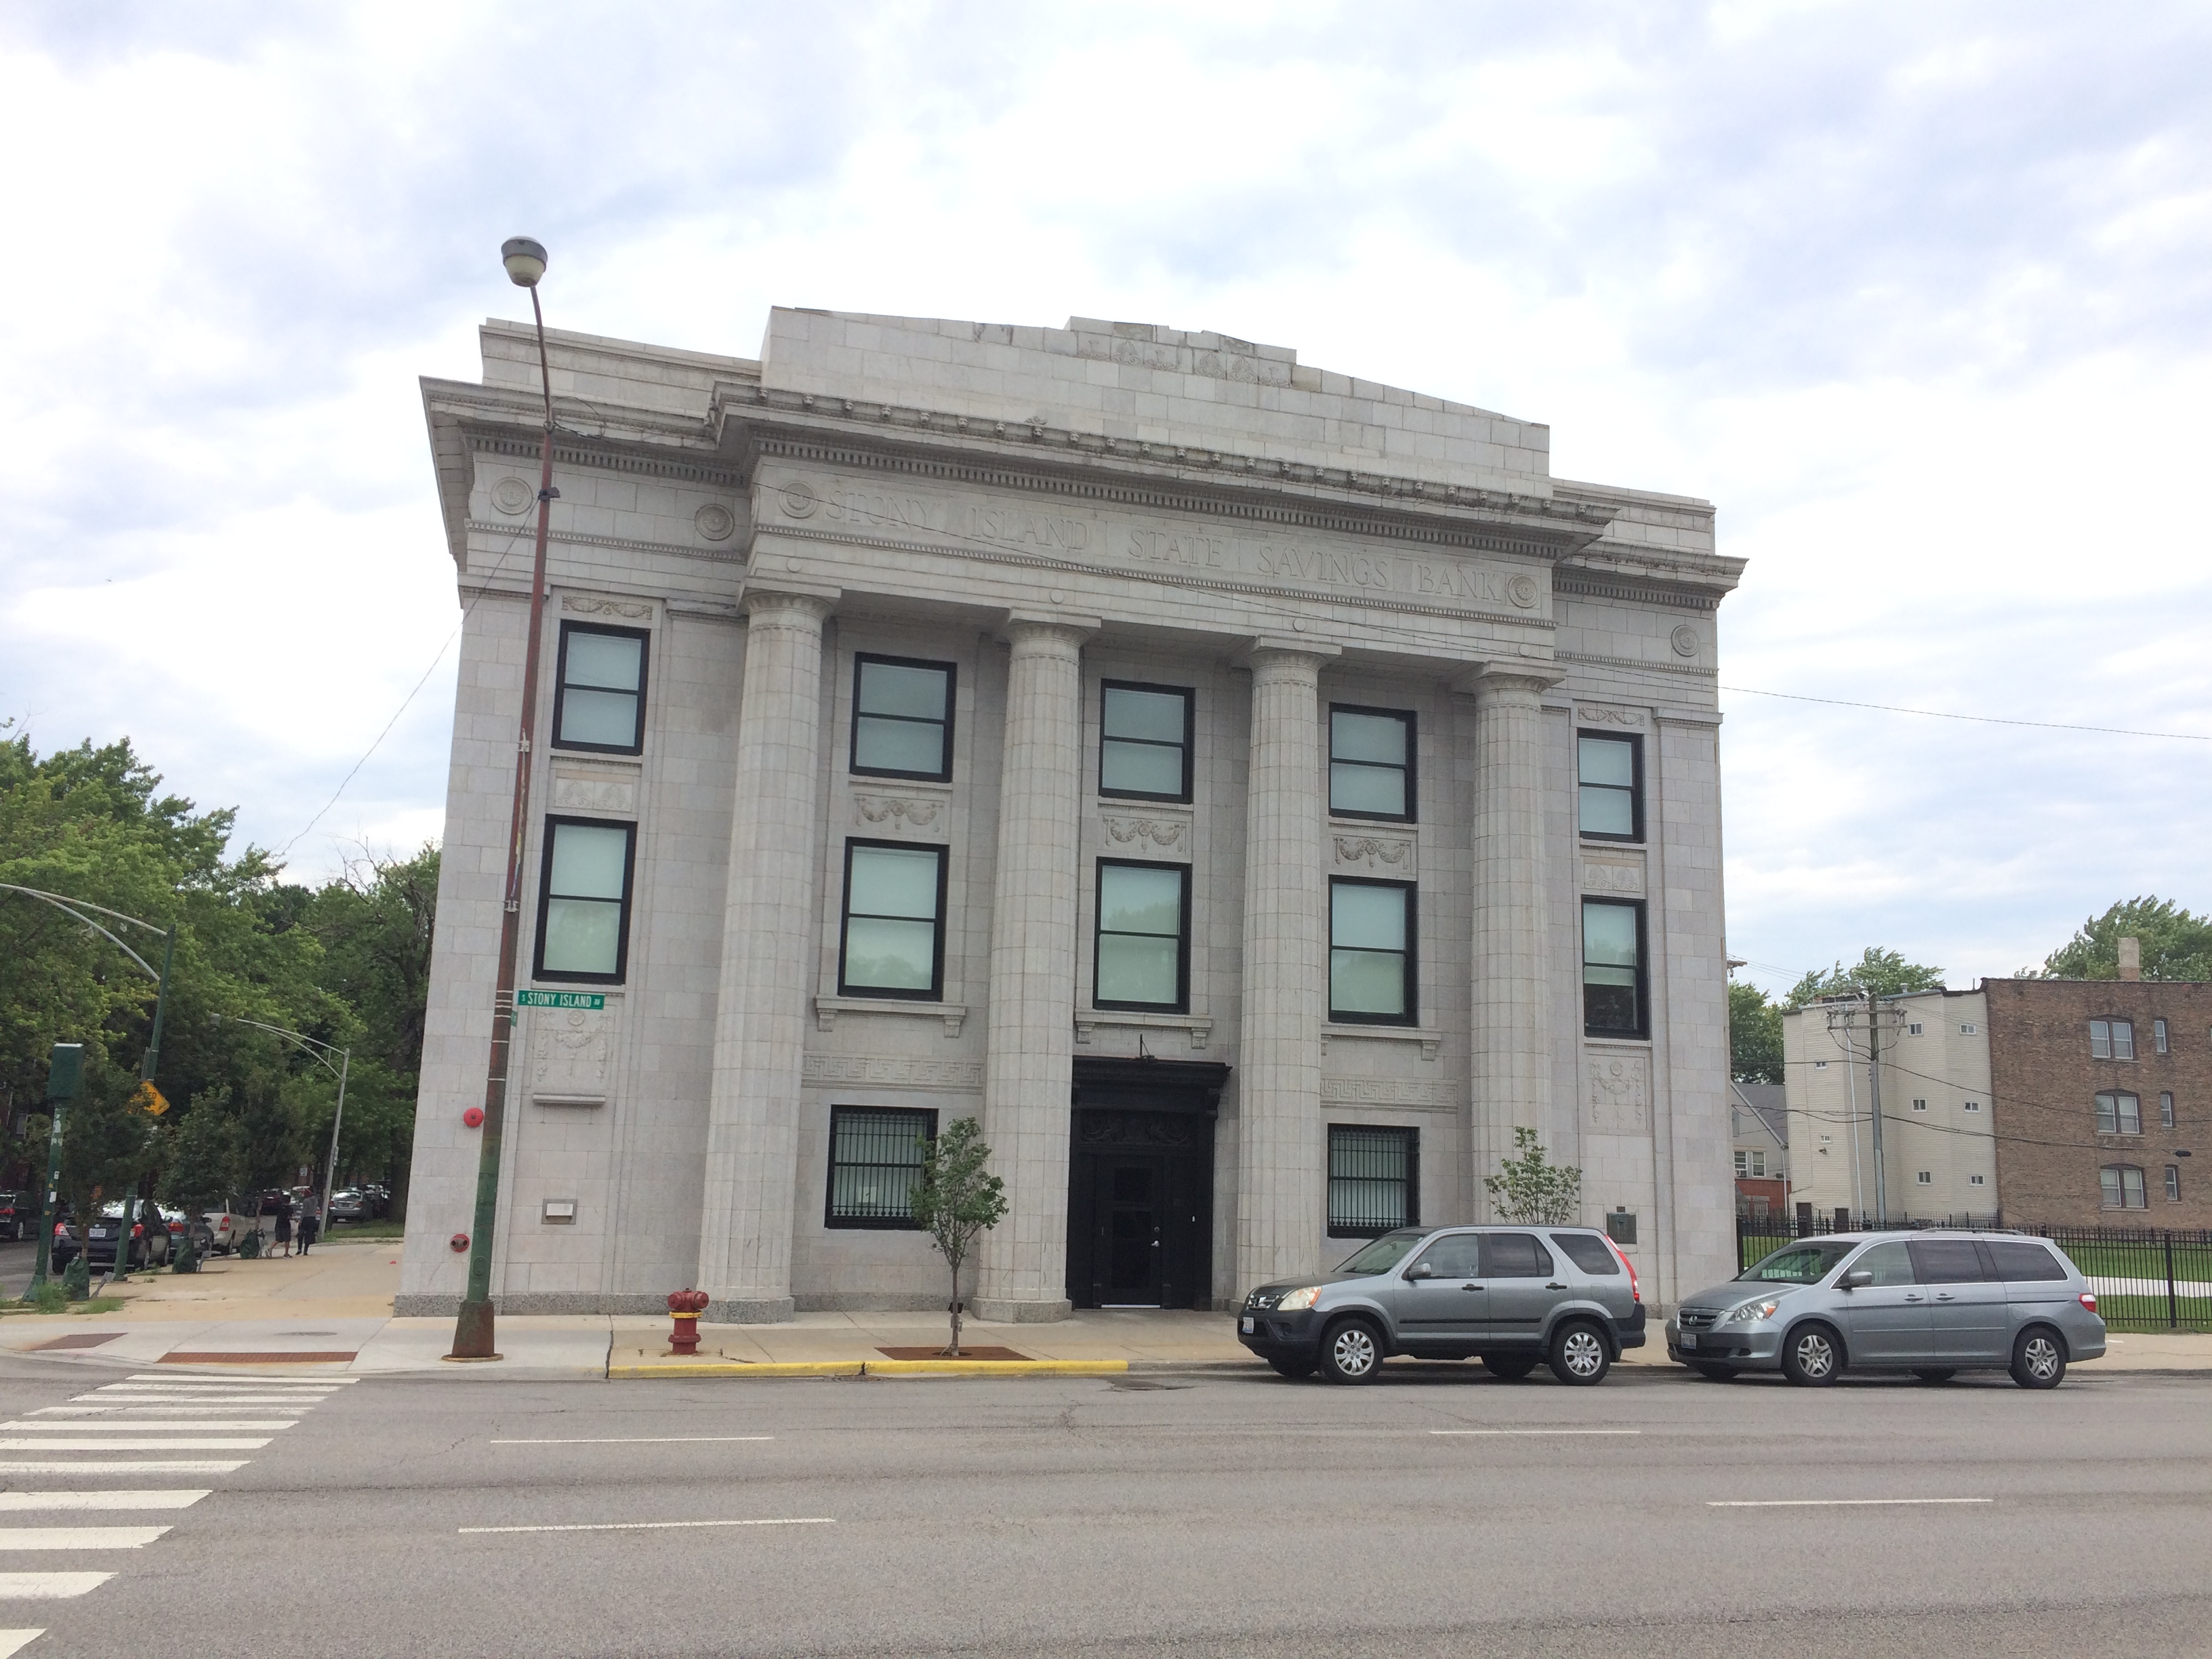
{"points": [[2191, 1262], [344, 1230], [98, 1304]]}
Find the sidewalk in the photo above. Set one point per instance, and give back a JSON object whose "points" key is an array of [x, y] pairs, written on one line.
{"points": [[331, 1312]]}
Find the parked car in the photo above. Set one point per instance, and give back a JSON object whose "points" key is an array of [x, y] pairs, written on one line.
{"points": [[380, 1200], [150, 1243], [223, 1230], [272, 1201], [1512, 1296], [1933, 1303], [19, 1215], [65, 1247]]}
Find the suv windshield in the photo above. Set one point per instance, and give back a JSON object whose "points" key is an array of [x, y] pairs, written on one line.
{"points": [[1384, 1253], [1800, 1264]]}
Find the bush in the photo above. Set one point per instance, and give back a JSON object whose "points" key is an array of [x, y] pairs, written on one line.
{"points": [[50, 1298]]}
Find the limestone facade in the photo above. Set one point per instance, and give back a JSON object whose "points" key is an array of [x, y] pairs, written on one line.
{"points": [[1447, 836]]}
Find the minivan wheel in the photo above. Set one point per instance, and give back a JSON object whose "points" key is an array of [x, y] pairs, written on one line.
{"points": [[1293, 1369], [1352, 1353], [2038, 1358], [1935, 1373], [1813, 1357], [1579, 1355], [1509, 1367]]}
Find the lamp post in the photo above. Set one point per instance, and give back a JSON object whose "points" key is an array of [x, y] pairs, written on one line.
{"points": [[319, 1051], [473, 1328], [75, 908]]}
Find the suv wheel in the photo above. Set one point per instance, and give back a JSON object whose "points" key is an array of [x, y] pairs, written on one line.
{"points": [[1293, 1369], [1812, 1357], [1579, 1355], [1352, 1353], [2038, 1358], [1509, 1367]]}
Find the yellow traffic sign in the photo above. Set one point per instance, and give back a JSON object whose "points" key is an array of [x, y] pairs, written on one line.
{"points": [[149, 1100]]}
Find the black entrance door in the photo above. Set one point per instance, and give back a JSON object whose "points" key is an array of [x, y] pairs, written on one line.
{"points": [[1141, 1187], [1131, 1220]]}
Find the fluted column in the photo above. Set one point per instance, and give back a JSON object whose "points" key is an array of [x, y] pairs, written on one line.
{"points": [[769, 943], [1281, 1188], [1029, 1067], [1512, 990]]}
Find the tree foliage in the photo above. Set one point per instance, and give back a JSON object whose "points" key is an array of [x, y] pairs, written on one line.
{"points": [[958, 1200], [1754, 1035], [2176, 945], [1886, 973], [1529, 1188]]}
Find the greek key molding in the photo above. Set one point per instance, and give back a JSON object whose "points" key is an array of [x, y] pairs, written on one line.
{"points": [[1389, 1091], [891, 1071]]}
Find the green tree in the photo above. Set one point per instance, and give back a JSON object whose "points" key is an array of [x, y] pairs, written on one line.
{"points": [[1886, 973], [956, 1200], [1530, 1187], [2176, 945], [1754, 1035], [206, 1159]]}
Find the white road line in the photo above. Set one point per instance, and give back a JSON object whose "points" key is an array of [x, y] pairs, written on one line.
{"points": [[174, 1406], [644, 1440], [1833, 1502], [142, 1426], [182, 1497], [1529, 1431], [49, 1586], [15, 1641], [204, 1390], [663, 1526], [174, 1379], [77, 1538], [57, 1443], [10, 1468]]}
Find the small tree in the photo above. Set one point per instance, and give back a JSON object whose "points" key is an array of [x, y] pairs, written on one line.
{"points": [[956, 1200], [1529, 1188]]}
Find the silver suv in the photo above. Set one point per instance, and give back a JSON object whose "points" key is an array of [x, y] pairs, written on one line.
{"points": [[1933, 1304], [1515, 1296]]}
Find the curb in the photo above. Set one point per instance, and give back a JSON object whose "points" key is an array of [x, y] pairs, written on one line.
{"points": [[884, 1368]]}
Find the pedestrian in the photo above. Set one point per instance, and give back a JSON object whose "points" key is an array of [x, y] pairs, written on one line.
{"points": [[311, 1226], [284, 1227]]}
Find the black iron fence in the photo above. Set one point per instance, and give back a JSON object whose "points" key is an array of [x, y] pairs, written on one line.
{"points": [[2146, 1279]]}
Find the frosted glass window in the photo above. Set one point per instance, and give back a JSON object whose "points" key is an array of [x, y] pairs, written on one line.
{"points": [[903, 717], [892, 895], [600, 703], [1145, 742], [1370, 763], [1142, 944], [583, 919], [1606, 802], [1370, 955]]}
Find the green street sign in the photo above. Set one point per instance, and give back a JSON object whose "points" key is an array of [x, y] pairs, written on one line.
{"points": [[559, 999]]}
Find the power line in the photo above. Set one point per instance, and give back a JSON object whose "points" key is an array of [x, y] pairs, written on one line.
{"points": [[1979, 720]]}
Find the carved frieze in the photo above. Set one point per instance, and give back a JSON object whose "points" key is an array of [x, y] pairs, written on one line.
{"points": [[1599, 713], [921, 815], [1618, 1100], [594, 792], [892, 1071], [595, 604], [569, 1052], [1612, 875], [1386, 854], [1143, 834], [1388, 1091], [513, 496]]}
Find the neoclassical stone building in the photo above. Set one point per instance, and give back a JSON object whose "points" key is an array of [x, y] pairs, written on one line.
{"points": [[1253, 791]]}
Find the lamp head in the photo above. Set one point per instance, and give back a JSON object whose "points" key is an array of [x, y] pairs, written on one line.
{"points": [[525, 259]]}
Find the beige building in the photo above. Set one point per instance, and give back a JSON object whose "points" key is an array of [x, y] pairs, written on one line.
{"points": [[1938, 1154], [1252, 791]]}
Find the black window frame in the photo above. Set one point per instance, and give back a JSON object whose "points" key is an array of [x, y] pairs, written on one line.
{"points": [[1413, 723], [552, 822], [1412, 953], [893, 992], [926, 1117], [1189, 696], [1642, 1027], [1182, 1004], [644, 638], [1411, 1138], [951, 672], [1635, 742]]}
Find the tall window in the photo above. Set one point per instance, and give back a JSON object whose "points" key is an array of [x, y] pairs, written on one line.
{"points": [[875, 1162], [2165, 1109], [901, 718], [1374, 1180], [1143, 954], [1370, 763], [2111, 1039], [1370, 951], [1613, 967], [2118, 1112], [598, 699], [894, 902], [2174, 1183], [2121, 1188], [583, 900], [1145, 741], [2158, 1036], [1610, 778]]}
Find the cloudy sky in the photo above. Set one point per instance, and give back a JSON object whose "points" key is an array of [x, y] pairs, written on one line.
{"points": [[1916, 295]]}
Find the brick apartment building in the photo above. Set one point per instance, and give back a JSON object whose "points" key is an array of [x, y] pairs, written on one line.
{"points": [[2101, 1092]]}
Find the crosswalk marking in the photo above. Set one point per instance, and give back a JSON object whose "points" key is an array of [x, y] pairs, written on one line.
{"points": [[227, 1382], [172, 1407], [142, 1425], [57, 1443], [48, 1586], [206, 1390], [10, 1467], [15, 1641], [77, 1538], [181, 1498]]}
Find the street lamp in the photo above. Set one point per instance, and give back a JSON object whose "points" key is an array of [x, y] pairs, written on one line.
{"points": [[75, 908], [473, 1328], [319, 1051]]}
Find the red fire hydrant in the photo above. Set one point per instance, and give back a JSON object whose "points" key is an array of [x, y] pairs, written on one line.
{"points": [[684, 1307]]}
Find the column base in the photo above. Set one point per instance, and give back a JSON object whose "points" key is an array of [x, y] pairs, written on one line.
{"points": [[997, 1311], [765, 1310]]}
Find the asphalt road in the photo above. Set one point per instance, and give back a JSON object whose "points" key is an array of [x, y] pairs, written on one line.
{"points": [[1186, 1514]]}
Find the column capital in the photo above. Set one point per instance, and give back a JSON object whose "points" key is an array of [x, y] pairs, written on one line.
{"points": [[1531, 679], [1278, 652], [1048, 628], [791, 601]]}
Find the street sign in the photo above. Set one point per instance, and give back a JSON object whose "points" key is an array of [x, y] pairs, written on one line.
{"points": [[149, 1100], [559, 999]]}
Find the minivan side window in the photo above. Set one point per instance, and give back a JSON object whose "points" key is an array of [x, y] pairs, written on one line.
{"points": [[1945, 1261], [1514, 1255], [2022, 1264], [1889, 1263]]}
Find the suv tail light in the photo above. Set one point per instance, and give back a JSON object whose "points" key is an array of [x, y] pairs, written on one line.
{"points": [[2089, 1300], [1635, 1292]]}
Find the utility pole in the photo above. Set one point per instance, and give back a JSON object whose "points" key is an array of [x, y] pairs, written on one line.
{"points": [[1874, 1105], [474, 1329], [146, 1068], [64, 1076]]}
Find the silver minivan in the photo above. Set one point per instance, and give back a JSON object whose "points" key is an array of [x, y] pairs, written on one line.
{"points": [[1933, 1303], [1516, 1297]]}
